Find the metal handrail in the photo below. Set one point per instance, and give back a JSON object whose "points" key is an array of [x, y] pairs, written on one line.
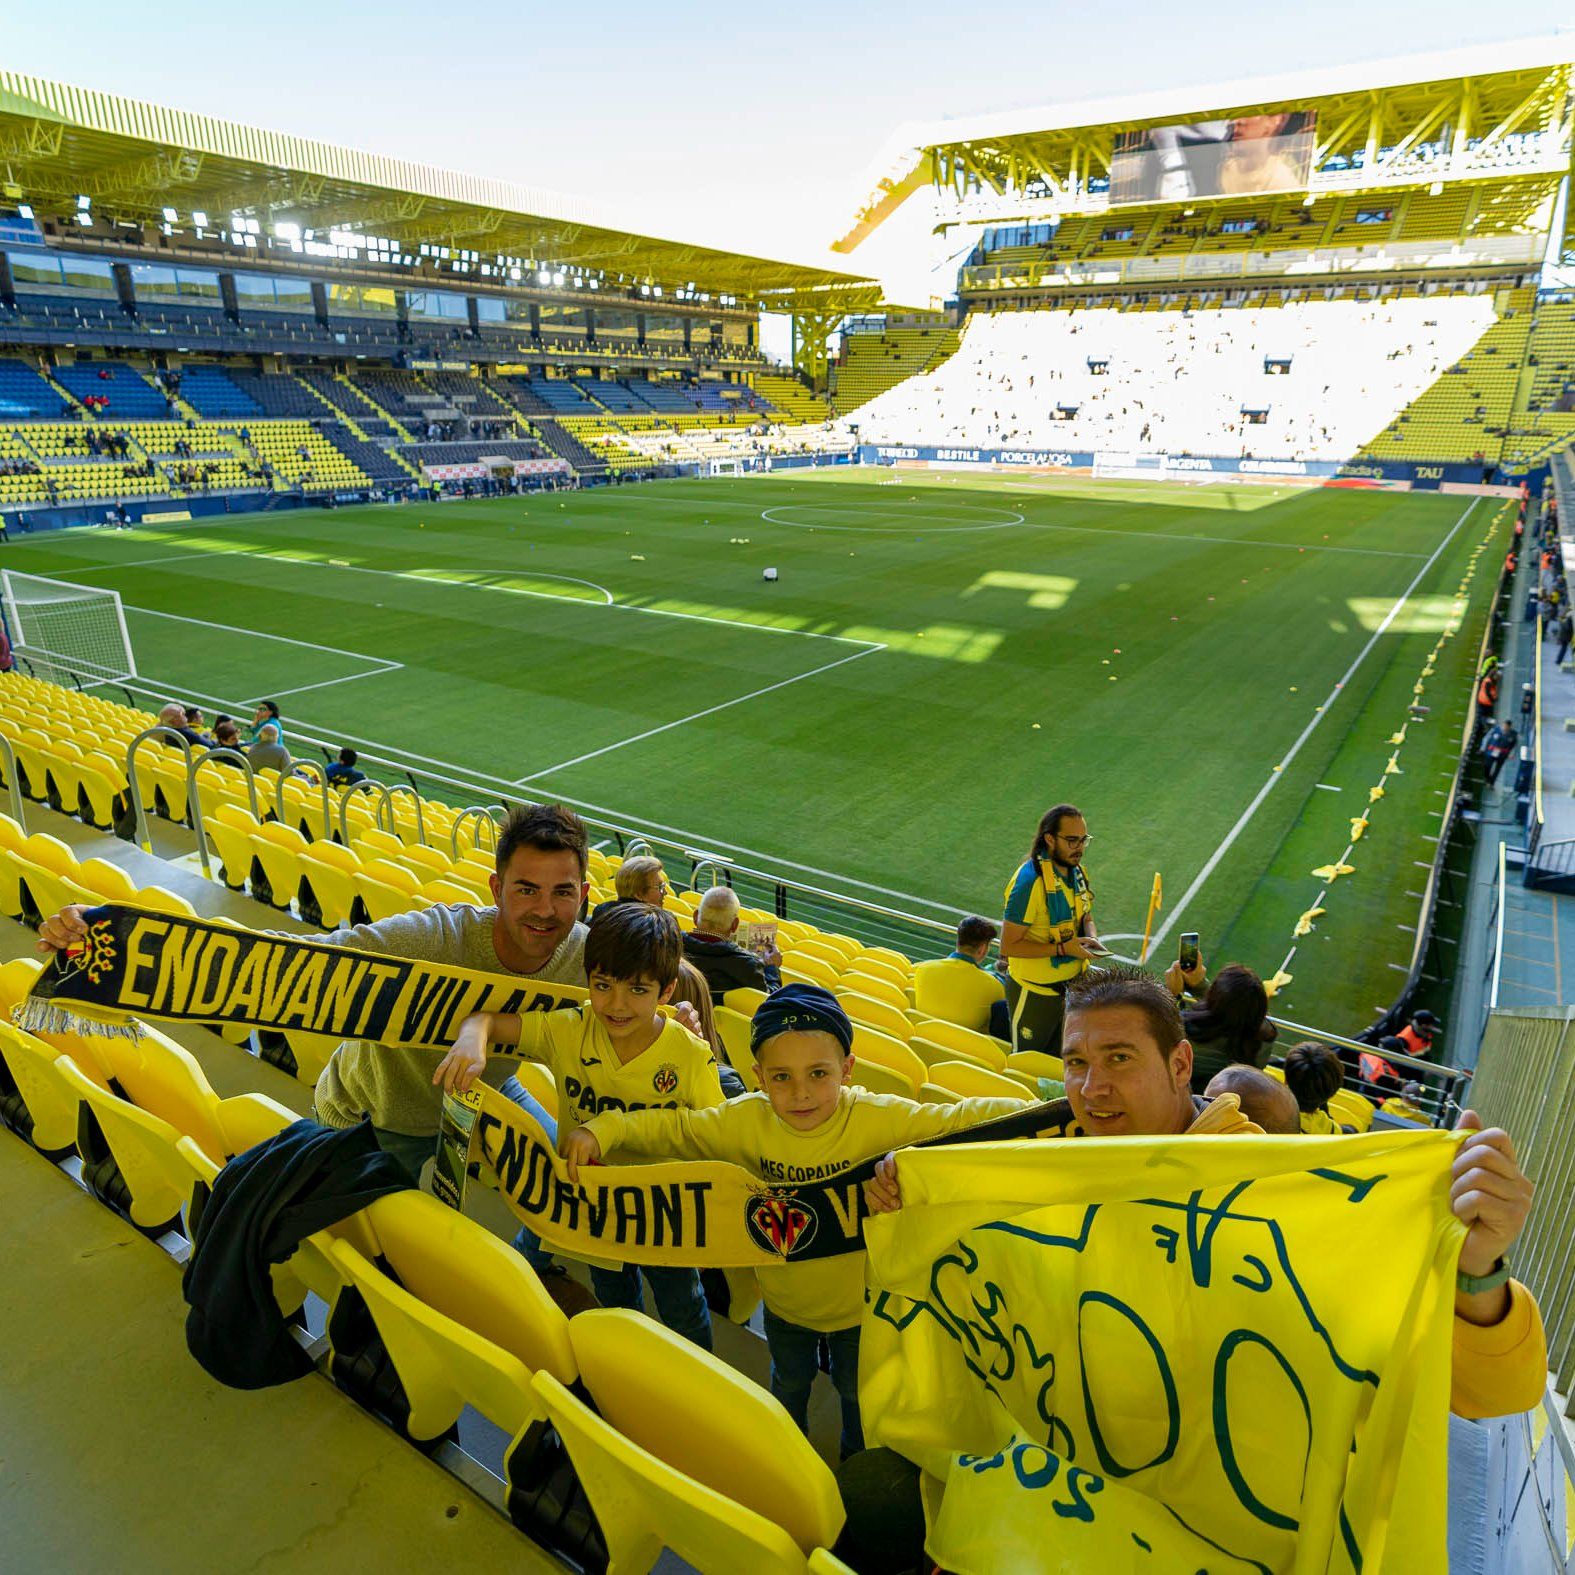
{"points": [[706, 864], [13, 783], [421, 825], [322, 783], [384, 802], [481, 812], [138, 809], [195, 762]]}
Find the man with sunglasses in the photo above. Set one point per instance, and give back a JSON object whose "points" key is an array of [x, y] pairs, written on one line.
{"points": [[1047, 933]]}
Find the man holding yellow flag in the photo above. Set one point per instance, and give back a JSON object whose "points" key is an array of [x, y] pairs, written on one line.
{"points": [[1003, 1325]]}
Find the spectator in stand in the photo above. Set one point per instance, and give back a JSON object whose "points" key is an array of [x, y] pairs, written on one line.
{"points": [[1313, 1074], [1230, 1025], [721, 961], [343, 772], [1407, 1105], [194, 717], [267, 712], [1263, 1099], [1564, 628], [1418, 1035], [226, 734], [1499, 745], [961, 987], [1048, 935], [642, 879], [1378, 1076], [268, 754], [173, 716]]}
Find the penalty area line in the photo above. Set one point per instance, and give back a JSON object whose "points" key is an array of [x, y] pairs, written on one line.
{"points": [[695, 716]]}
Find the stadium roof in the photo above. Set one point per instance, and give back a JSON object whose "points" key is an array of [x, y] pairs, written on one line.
{"points": [[134, 159], [910, 158]]}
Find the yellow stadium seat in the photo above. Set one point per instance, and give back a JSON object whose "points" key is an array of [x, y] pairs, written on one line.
{"points": [[467, 1322], [936, 1094], [675, 1419], [161, 780], [327, 890], [448, 891], [16, 979], [369, 841], [219, 782], [160, 900], [107, 882], [427, 863], [938, 1040], [644, 1505], [821, 950], [303, 809], [278, 850], [871, 1045], [880, 1079], [877, 989], [845, 944], [34, 1101], [229, 830], [1350, 1109], [46, 870], [969, 1081], [743, 1000], [876, 1014], [385, 888], [1035, 1064], [733, 1030], [875, 967], [894, 958], [538, 1082], [809, 970]]}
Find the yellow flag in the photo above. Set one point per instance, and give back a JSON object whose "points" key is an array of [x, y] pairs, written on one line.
{"points": [[1358, 827], [1334, 871], [1144, 1354], [1273, 986], [1305, 923]]}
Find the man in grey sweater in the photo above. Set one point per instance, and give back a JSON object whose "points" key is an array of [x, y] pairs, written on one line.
{"points": [[538, 888]]}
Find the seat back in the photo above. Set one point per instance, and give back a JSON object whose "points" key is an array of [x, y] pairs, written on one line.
{"points": [[969, 1081], [894, 995], [801, 968], [876, 1014], [733, 1030], [871, 1045], [743, 1000], [706, 1422], [949, 1041], [644, 1504]]}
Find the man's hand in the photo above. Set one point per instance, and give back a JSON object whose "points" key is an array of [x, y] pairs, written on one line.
{"points": [[65, 931], [1491, 1195], [467, 1060], [581, 1148], [773, 958], [1086, 949], [882, 1194], [685, 1014]]}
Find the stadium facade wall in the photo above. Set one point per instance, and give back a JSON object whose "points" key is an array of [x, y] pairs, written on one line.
{"points": [[1409, 474]]}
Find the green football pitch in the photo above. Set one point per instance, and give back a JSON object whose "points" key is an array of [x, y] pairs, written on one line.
{"points": [[1211, 673]]}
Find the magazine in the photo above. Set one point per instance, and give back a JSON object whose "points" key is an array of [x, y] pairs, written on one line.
{"points": [[759, 938]]}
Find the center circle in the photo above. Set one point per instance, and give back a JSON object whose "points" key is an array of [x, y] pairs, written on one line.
{"points": [[898, 521]]}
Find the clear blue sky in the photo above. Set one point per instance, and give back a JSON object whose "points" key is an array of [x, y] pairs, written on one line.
{"points": [[756, 121]]}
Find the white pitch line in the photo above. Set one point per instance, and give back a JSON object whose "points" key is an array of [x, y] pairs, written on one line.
{"points": [[171, 557], [328, 683], [255, 634], [1279, 771], [695, 716]]}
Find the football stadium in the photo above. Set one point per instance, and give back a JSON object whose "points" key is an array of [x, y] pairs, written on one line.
{"points": [[577, 804]]}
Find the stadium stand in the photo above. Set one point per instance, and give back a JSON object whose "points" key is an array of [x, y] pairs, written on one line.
{"points": [[874, 360]]}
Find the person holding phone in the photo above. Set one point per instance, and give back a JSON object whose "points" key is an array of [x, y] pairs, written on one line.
{"points": [[1047, 932]]}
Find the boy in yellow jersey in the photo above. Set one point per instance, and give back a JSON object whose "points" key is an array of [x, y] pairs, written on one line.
{"points": [[621, 1054], [807, 1123]]}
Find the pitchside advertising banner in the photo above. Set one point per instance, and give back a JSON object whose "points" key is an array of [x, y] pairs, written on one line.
{"points": [[1174, 467], [1214, 158]]}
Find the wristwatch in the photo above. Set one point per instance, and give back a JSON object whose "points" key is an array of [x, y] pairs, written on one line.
{"points": [[1476, 1284]]}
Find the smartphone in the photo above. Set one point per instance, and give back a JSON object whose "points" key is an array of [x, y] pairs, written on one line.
{"points": [[1187, 954]]}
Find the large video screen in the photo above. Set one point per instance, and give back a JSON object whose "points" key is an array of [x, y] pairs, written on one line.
{"points": [[1214, 158]]}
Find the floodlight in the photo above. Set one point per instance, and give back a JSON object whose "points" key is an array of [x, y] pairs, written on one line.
{"points": [[557, 278], [84, 202], [1308, 200], [199, 218], [169, 215], [24, 211], [286, 231], [1436, 189], [543, 277], [85, 219]]}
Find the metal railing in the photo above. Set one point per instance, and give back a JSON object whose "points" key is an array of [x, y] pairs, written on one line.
{"points": [[13, 782], [134, 788], [1525, 1083], [482, 814]]}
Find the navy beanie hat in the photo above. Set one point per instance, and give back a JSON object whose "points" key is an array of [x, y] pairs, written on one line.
{"points": [[803, 1009]]}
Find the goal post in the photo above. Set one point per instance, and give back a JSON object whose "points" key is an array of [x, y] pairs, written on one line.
{"points": [[65, 631]]}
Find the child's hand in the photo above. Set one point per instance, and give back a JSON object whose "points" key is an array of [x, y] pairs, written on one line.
{"points": [[686, 1016], [580, 1148], [882, 1194], [466, 1061]]}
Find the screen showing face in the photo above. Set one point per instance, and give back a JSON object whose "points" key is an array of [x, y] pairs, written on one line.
{"points": [[1214, 158]]}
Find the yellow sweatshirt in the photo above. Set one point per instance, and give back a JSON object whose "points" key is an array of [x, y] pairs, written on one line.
{"points": [[677, 1069], [826, 1293]]}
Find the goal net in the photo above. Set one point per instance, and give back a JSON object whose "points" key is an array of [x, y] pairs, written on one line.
{"points": [[67, 632]]}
